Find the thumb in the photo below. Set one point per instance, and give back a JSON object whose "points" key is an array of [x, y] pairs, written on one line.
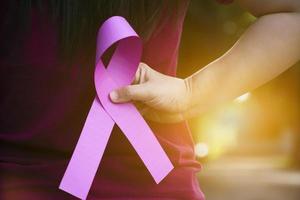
{"points": [[128, 93]]}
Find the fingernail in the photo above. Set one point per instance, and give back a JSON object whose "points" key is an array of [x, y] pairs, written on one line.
{"points": [[114, 96]]}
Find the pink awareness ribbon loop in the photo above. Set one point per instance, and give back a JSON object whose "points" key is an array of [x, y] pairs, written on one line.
{"points": [[103, 114]]}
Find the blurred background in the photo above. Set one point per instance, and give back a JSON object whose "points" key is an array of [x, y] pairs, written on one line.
{"points": [[250, 147]]}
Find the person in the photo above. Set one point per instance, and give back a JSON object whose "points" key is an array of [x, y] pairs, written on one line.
{"points": [[47, 88], [269, 47]]}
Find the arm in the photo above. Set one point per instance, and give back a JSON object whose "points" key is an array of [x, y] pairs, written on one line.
{"points": [[269, 46]]}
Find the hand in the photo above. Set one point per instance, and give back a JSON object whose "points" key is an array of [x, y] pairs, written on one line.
{"points": [[157, 96]]}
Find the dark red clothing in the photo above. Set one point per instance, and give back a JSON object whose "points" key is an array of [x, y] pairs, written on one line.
{"points": [[44, 104]]}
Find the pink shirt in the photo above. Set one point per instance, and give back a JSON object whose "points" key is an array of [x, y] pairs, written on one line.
{"points": [[43, 107]]}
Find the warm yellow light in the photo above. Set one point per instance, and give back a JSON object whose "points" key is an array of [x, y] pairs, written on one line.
{"points": [[201, 150], [243, 98]]}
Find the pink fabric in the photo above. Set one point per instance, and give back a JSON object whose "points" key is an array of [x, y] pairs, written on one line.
{"points": [[41, 120]]}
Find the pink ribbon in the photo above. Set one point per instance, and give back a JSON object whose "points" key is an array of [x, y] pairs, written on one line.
{"points": [[103, 114]]}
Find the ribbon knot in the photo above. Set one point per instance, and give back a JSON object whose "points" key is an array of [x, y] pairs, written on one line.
{"points": [[103, 114]]}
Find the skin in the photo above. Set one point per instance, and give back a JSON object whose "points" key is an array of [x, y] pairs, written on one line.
{"points": [[267, 48]]}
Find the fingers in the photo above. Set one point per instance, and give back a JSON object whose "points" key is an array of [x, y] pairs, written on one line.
{"points": [[129, 93], [138, 91], [137, 76], [142, 74]]}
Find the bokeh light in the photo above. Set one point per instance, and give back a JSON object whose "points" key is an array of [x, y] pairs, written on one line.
{"points": [[201, 150], [250, 145]]}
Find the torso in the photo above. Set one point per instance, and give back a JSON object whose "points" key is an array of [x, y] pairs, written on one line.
{"points": [[43, 108]]}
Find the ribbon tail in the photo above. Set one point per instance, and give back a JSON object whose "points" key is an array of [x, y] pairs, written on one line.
{"points": [[137, 131], [88, 152], [142, 139]]}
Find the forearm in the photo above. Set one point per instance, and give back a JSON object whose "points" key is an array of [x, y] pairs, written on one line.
{"points": [[266, 49]]}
